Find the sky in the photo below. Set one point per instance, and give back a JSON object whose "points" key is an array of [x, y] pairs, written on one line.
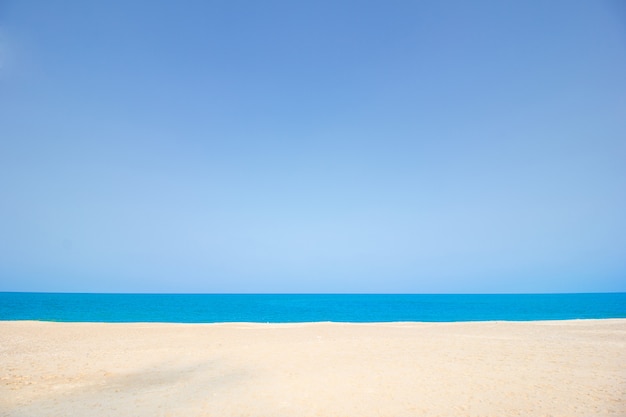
{"points": [[313, 146]]}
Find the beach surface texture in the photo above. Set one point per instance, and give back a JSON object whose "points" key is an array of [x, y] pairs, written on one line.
{"points": [[550, 368]]}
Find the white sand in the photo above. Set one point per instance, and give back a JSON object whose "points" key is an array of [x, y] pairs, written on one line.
{"points": [[566, 368]]}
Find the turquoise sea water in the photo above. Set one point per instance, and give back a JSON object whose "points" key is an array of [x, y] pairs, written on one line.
{"points": [[274, 308]]}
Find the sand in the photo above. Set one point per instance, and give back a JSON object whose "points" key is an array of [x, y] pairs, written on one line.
{"points": [[564, 368]]}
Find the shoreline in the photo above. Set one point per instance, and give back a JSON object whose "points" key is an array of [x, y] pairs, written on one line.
{"points": [[349, 323], [488, 368]]}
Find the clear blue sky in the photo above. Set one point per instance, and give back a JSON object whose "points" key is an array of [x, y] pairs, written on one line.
{"points": [[313, 146]]}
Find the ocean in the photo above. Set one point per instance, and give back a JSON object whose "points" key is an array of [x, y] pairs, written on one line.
{"points": [[290, 308]]}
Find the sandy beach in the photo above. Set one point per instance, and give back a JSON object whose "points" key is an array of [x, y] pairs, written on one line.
{"points": [[560, 368]]}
